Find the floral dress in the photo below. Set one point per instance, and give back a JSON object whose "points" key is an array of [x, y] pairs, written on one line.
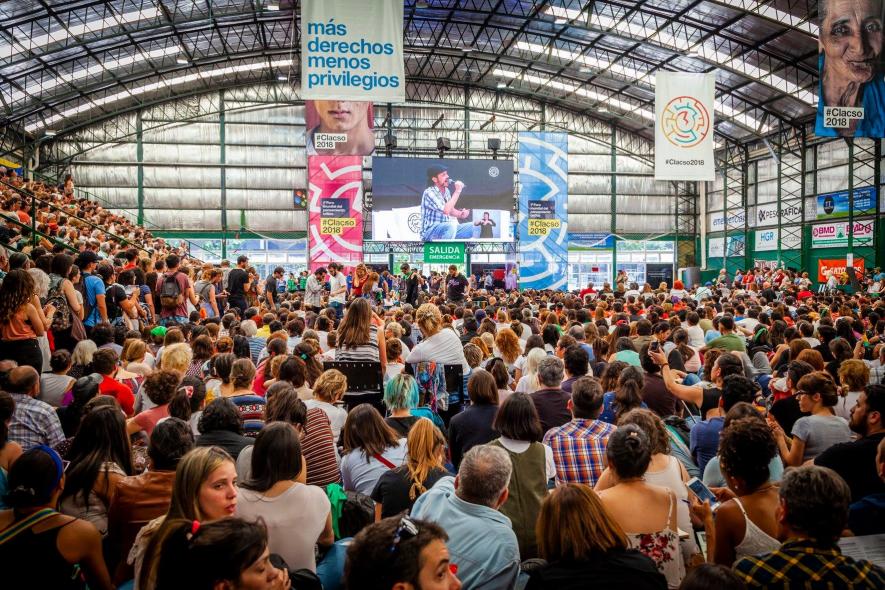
{"points": [[662, 547]]}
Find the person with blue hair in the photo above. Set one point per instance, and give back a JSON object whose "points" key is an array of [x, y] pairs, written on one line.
{"points": [[402, 398]]}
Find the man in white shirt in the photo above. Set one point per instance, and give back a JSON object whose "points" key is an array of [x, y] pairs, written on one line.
{"points": [[337, 289], [313, 290]]}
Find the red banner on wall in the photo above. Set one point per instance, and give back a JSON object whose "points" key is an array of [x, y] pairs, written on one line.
{"points": [[335, 224], [837, 265]]}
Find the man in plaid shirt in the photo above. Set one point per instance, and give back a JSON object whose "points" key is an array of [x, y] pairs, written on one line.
{"points": [[34, 422], [579, 446], [813, 512], [439, 217]]}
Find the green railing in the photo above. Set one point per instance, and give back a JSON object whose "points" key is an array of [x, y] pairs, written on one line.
{"points": [[9, 216]]}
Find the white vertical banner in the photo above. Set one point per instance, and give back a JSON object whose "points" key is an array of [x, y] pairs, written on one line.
{"points": [[352, 49], [684, 105]]}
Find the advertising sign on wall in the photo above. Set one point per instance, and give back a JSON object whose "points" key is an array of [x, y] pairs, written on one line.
{"points": [[850, 63], [767, 240], [684, 126], [833, 205], [769, 213], [543, 174], [835, 234], [353, 50], [590, 241], [734, 220], [837, 265], [335, 222]]}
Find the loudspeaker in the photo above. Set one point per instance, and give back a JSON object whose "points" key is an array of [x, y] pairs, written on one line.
{"points": [[494, 144], [390, 141], [443, 143]]}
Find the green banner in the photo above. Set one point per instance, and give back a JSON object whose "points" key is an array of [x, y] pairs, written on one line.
{"points": [[444, 253]]}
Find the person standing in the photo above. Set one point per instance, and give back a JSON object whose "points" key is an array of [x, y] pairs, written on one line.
{"points": [[93, 290], [313, 290], [485, 226], [337, 289], [175, 290], [270, 287], [456, 285], [238, 282], [22, 320], [411, 285]]}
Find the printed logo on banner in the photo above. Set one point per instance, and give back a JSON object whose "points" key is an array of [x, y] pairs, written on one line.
{"points": [[684, 124], [835, 235], [769, 213], [838, 266], [352, 49], [335, 222], [542, 218], [735, 220], [685, 121], [335, 216], [835, 205], [543, 175]]}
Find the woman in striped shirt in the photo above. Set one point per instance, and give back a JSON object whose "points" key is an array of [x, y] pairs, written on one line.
{"points": [[359, 338]]}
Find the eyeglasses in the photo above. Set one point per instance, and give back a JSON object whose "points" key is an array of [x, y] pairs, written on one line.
{"points": [[406, 529]]}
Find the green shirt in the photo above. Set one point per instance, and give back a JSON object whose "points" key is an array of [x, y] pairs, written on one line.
{"points": [[730, 342]]}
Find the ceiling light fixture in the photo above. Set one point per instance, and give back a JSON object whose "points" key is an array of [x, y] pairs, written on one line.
{"points": [[182, 61], [273, 6]]}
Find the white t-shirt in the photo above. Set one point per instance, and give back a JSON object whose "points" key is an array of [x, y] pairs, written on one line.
{"points": [[696, 336], [335, 283], [443, 347], [295, 520]]}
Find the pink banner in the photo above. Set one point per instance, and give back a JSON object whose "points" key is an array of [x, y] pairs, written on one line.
{"points": [[335, 225]]}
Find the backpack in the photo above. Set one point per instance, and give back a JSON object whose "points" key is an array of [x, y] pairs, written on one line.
{"points": [[61, 321], [170, 293]]}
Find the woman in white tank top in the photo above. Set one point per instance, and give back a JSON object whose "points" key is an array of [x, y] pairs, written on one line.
{"points": [[746, 524]]}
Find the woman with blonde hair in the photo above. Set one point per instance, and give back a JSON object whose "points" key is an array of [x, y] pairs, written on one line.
{"points": [[580, 541], [204, 490], [358, 280], [135, 351], [397, 489], [507, 346], [177, 357], [529, 383], [439, 345], [328, 390], [481, 345], [854, 375]]}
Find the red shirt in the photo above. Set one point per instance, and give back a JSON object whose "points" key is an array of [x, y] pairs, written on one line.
{"points": [[587, 292], [118, 391]]}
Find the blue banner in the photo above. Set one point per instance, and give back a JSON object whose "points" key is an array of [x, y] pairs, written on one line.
{"points": [[833, 205], [590, 241], [543, 234]]}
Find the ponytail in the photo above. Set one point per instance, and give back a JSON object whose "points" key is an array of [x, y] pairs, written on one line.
{"points": [[180, 404]]}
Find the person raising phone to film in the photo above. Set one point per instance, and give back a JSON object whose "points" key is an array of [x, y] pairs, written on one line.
{"points": [[439, 216]]}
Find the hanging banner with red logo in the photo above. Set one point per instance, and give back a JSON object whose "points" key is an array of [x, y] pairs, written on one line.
{"points": [[684, 126], [837, 266], [335, 224]]}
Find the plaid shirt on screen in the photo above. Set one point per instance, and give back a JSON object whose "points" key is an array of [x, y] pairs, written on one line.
{"points": [[808, 564], [579, 450], [432, 203]]}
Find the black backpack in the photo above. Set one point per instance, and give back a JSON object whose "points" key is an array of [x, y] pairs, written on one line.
{"points": [[61, 321], [170, 293]]}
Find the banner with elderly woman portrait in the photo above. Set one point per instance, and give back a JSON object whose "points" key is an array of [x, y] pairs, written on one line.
{"points": [[851, 101], [335, 205], [543, 211]]}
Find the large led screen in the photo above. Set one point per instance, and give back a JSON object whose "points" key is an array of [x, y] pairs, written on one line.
{"points": [[431, 200]]}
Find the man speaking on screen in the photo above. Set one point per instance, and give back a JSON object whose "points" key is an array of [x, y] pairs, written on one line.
{"points": [[439, 216]]}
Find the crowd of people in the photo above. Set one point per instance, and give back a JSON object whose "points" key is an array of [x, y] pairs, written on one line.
{"points": [[166, 423]]}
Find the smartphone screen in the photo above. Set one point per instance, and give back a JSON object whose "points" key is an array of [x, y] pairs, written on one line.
{"points": [[702, 492]]}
